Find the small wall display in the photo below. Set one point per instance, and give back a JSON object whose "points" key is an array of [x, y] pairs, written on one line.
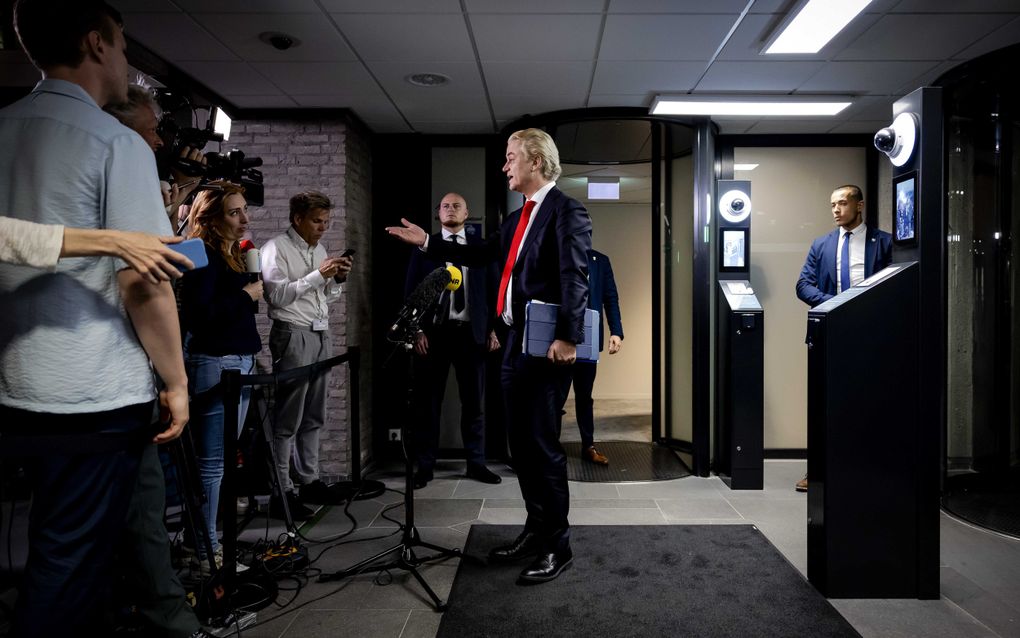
{"points": [[734, 250], [905, 209]]}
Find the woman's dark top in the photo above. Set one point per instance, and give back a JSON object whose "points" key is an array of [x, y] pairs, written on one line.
{"points": [[216, 310]]}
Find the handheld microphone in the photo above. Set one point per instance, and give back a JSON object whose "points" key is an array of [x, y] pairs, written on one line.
{"points": [[423, 297], [252, 260], [456, 278]]}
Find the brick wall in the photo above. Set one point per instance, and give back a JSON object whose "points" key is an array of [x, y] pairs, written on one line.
{"points": [[302, 155]]}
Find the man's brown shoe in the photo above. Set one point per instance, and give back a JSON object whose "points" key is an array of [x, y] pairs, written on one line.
{"points": [[592, 455], [801, 485]]}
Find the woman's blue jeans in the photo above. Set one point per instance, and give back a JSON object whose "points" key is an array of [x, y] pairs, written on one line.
{"points": [[207, 429]]}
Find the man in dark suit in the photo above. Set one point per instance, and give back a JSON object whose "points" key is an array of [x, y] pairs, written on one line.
{"points": [[459, 334], [843, 258], [542, 251], [602, 296]]}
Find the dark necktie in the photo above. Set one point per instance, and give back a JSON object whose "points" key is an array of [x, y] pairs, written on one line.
{"points": [[459, 299], [844, 264]]}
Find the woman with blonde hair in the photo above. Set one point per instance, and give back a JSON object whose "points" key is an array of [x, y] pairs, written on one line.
{"points": [[218, 306]]}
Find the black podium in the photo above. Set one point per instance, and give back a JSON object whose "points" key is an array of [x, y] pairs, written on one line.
{"points": [[868, 481], [740, 352]]}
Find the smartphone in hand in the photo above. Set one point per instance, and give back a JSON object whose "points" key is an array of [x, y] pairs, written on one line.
{"points": [[193, 249], [348, 252]]}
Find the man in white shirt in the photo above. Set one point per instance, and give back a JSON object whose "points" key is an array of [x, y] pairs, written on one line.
{"points": [[301, 280]]}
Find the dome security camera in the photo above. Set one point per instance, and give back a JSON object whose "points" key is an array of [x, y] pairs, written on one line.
{"points": [[885, 140], [898, 140], [735, 206]]}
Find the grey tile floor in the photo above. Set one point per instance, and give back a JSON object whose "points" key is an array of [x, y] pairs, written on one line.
{"points": [[980, 571]]}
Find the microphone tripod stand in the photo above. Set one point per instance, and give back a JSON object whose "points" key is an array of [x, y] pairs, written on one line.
{"points": [[405, 557]]}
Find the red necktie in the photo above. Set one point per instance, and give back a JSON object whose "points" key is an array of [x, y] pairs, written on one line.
{"points": [[508, 267]]}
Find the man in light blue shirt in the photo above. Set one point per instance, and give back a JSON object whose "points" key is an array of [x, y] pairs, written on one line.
{"points": [[75, 343]]}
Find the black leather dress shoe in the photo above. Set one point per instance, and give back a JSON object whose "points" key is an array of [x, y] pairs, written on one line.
{"points": [[483, 474], [547, 566], [422, 478], [524, 545]]}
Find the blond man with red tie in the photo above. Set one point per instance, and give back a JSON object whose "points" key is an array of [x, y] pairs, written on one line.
{"points": [[541, 250]]}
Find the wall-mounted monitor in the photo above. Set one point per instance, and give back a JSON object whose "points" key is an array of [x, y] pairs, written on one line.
{"points": [[905, 209], [734, 250]]}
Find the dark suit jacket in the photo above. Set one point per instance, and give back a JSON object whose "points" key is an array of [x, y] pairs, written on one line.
{"points": [[481, 287], [817, 281], [552, 265], [602, 294]]}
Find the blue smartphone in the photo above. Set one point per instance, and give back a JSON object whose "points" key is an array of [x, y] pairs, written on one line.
{"points": [[193, 249]]}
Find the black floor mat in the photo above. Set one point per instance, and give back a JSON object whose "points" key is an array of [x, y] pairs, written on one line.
{"points": [[628, 461], [992, 504]]}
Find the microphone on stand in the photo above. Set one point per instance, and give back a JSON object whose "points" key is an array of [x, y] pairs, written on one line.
{"points": [[252, 260], [422, 298]]}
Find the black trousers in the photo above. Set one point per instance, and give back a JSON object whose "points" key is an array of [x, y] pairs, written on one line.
{"points": [[450, 344], [535, 391], [584, 380], [79, 504]]}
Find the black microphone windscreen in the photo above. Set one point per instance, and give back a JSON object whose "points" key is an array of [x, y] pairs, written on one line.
{"points": [[430, 288]]}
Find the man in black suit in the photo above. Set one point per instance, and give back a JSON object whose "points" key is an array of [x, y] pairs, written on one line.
{"points": [[602, 296], [542, 252], [460, 333]]}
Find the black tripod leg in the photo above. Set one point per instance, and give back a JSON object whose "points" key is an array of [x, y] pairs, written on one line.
{"points": [[358, 567], [440, 605]]}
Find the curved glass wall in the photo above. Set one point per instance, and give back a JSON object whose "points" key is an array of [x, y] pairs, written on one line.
{"points": [[982, 125]]}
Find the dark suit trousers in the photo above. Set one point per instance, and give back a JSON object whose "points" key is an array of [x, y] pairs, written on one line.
{"points": [[450, 344], [79, 504], [584, 381], [535, 391]]}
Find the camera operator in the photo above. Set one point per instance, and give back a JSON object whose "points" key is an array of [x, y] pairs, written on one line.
{"points": [[139, 113], [74, 341]]}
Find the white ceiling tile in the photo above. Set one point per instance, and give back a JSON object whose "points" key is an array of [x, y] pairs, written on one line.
{"points": [[392, 6], [175, 37], [533, 37], [553, 78], [140, 6], [877, 76], [769, 6], [319, 78], [757, 76], [956, 6], [734, 127], [1005, 36], [783, 126], [261, 101], [870, 108], [431, 107], [925, 79], [319, 41], [663, 37], [534, 6], [470, 127], [464, 78], [393, 37], [375, 110], [249, 6], [511, 107], [919, 37], [229, 78], [639, 76], [677, 6], [860, 126], [597, 100]]}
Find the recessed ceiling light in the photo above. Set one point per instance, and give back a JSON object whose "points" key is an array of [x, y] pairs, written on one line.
{"points": [[817, 22], [428, 79], [737, 106], [744, 167]]}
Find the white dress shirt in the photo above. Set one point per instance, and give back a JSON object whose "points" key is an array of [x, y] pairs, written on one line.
{"points": [[858, 241], [295, 289], [538, 198], [465, 314]]}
